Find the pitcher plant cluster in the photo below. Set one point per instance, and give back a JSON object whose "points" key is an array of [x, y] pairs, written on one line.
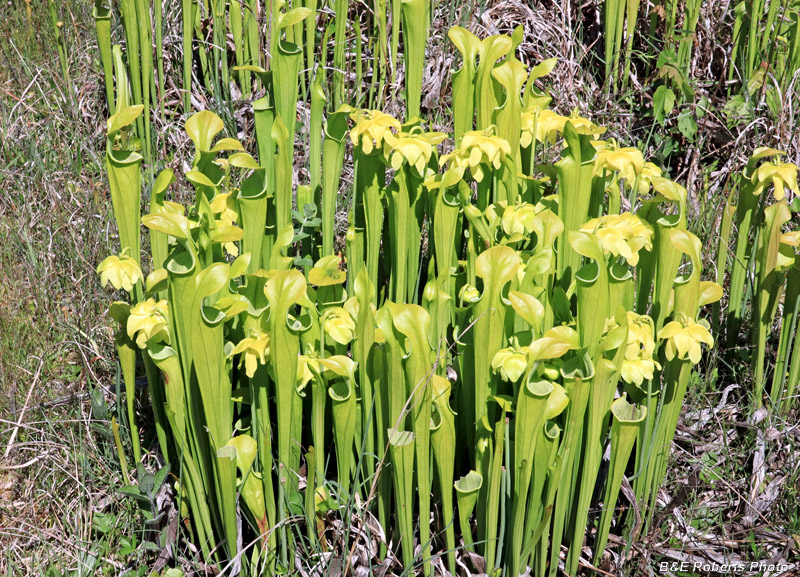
{"points": [[226, 46], [763, 275], [511, 302]]}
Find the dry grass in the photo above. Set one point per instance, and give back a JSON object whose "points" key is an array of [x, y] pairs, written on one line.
{"points": [[60, 473], [729, 496]]}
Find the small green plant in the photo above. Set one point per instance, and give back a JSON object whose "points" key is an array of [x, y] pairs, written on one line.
{"points": [[618, 16], [58, 26], [766, 41], [620, 27]]}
